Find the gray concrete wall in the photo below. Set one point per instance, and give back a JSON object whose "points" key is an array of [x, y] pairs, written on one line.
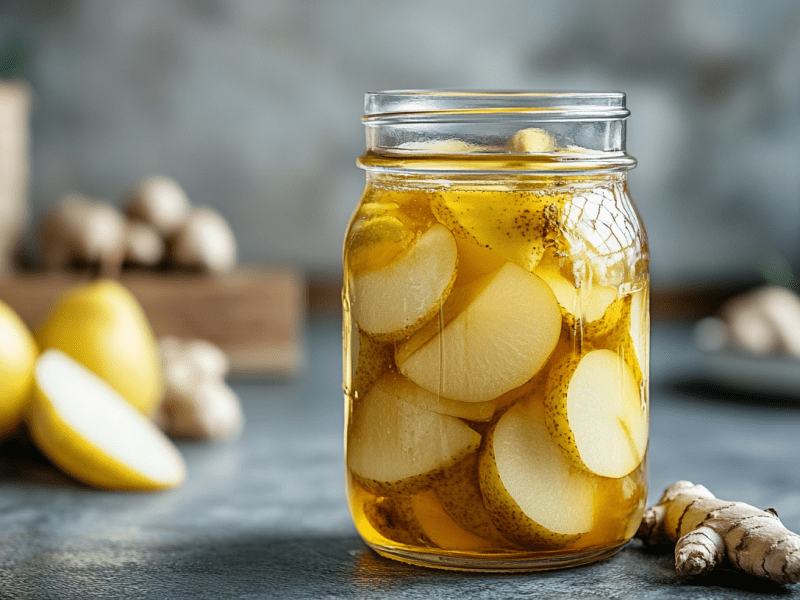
{"points": [[254, 106]]}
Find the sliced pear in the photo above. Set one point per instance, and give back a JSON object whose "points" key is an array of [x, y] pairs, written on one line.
{"points": [[373, 243], [440, 528], [395, 446], [87, 429], [475, 261], [518, 225], [534, 495], [419, 519], [365, 360], [394, 519], [460, 494], [596, 415], [493, 336], [410, 392], [638, 349], [619, 507], [394, 301], [585, 306]]}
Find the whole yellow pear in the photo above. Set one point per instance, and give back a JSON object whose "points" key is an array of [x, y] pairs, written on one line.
{"points": [[102, 326], [17, 358]]}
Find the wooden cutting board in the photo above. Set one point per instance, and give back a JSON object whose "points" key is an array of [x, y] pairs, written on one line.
{"points": [[254, 314]]}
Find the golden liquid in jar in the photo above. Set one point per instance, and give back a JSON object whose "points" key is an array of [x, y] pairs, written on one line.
{"points": [[580, 236]]}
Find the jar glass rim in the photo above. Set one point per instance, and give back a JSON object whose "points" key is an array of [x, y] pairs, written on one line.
{"points": [[400, 105]]}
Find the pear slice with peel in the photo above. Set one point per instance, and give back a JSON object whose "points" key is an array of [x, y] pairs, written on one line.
{"points": [[365, 360], [419, 519], [516, 224], [493, 335], [535, 496], [586, 305], [393, 518], [413, 394], [460, 494], [91, 432], [392, 302], [439, 526], [595, 413], [394, 446]]}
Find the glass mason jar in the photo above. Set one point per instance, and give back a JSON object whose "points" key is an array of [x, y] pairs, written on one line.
{"points": [[496, 326]]}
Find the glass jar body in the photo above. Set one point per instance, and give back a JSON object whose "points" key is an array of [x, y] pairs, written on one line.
{"points": [[496, 366]]}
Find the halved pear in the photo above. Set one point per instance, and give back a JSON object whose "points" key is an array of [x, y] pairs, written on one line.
{"points": [[394, 446], [595, 413], [493, 335], [391, 302], [535, 496], [518, 225], [91, 432]]}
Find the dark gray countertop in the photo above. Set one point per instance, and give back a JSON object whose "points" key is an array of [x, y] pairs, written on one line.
{"points": [[265, 516]]}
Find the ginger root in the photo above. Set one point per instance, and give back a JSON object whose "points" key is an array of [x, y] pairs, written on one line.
{"points": [[764, 321], [197, 404], [83, 231], [143, 244], [161, 202], [706, 531], [205, 242]]}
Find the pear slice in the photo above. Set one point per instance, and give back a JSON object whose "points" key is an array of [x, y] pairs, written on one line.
{"points": [[419, 519], [91, 432], [395, 446], [595, 413], [518, 225], [534, 495], [365, 359], [439, 526], [413, 394], [475, 261], [391, 302], [494, 335], [394, 519], [460, 494], [584, 306]]}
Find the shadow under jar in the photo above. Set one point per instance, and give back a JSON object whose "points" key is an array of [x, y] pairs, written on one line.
{"points": [[496, 331]]}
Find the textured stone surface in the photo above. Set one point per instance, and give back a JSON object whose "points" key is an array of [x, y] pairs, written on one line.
{"points": [[265, 517]]}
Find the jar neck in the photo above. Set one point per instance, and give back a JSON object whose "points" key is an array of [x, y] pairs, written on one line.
{"points": [[506, 132]]}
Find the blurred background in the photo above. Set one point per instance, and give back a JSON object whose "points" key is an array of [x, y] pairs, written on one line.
{"points": [[253, 106]]}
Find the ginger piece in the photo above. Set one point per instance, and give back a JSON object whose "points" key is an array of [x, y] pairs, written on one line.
{"points": [[143, 244], [160, 202], [531, 140], [706, 531], [80, 230], [197, 403], [205, 242], [764, 321]]}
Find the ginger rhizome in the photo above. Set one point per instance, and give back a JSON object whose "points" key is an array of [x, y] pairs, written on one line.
{"points": [[707, 531]]}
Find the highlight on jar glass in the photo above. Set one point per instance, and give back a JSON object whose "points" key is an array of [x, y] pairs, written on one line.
{"points": [[496, 331]]}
